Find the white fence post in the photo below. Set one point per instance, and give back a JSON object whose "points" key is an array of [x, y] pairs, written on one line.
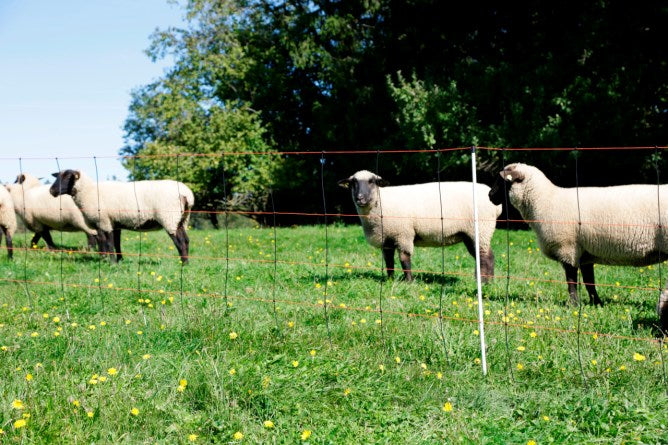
{"points": [[481, 321]]}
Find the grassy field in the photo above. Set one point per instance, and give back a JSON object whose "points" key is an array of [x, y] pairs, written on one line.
{"points": [[246, 350]]}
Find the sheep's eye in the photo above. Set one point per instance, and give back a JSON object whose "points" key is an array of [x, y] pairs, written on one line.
{"points": [[372, 181]]}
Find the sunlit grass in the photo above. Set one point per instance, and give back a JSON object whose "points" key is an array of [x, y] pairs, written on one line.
{"points": [[252, 350]]}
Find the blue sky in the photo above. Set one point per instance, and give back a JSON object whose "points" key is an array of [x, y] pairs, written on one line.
{"points": [[67, 70]]}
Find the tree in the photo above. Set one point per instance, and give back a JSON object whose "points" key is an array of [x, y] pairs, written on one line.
{"points": [[313, 75]]}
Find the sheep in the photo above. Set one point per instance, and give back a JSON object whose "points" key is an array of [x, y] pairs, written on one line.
{"points": [[401, 217], [7, 220], [41, 212], [139, 206], [580, 227]]}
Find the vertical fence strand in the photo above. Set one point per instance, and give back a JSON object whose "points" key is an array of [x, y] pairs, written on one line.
{"points": [[275, 280], [481, 309], [25, 242], [62, 251], [382, 258], [101, 253], [227, 233], [139, 257], [324, 208], [577, 275], [442, 292], [506, 300]]}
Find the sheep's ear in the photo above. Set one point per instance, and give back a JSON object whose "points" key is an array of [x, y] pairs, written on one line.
{"points": [[77, 174], [55, 175], [345, 183], [20, 179], [512, 175]]}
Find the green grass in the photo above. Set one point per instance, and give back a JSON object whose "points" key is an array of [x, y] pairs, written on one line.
{"points": [[334, 371]]}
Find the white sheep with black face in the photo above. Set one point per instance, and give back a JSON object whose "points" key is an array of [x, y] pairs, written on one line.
{"points": [[619, 225], [430, 215], [7, 220], [141, 206], [41, 212]]}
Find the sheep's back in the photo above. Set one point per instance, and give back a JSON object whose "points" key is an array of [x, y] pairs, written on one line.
{"points": [[59, 213], [621, 224], [145, 205], [7, 215], [419, 208]]}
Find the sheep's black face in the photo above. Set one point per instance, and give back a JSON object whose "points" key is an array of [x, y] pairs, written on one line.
{"points": [[499, 191], [363, 186], [64, 183]]}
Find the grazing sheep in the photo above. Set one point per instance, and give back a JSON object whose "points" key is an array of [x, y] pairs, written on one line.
{"points": [[412, 215], [580, 227], [140, 206], [41, 212], [7, 220]]}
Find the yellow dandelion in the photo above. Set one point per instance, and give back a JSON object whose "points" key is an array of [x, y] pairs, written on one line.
{"points": [[533, 335], [295, 363], [17, 404], [397, 359], [233, 335], [146, 356], [76, 403], [439, 375], [28, 377], [134, 411], [90, 414], [546, 418], [381, 367], [312, 352], [622, 368], [531, 442], [19, 424], [233, 371], [183, 382], [112, 371], [291, 324], [238, 435], [346, 392], [638, 357], [447, 407], [268, 424], [192, 437], [56, 319], [521, 348], [102, 379], [520, 366], [306, 434]]}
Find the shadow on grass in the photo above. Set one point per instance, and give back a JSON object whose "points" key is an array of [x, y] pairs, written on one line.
{"points": [[651, 323], [423, 277]]}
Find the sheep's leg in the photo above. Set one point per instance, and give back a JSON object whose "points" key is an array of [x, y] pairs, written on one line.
{"points": [[572, 280], [486, 266], [117, 244], [662, 310], [405, 259], [105, 244], [590, 283], [91, 240], [35, 239], [8, 238], [48, 240], [388, 256], [182, 243]]}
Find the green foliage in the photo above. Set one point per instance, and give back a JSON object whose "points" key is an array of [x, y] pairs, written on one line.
{"points": [[162, 328], [381, 74]]}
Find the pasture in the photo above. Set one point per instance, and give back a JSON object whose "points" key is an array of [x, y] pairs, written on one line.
{"points": [[252, 350]]}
